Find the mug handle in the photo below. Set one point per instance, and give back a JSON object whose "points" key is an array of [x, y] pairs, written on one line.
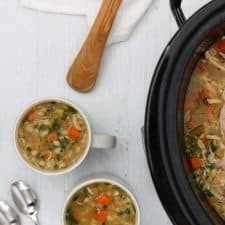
{"points": [[103, 141]]}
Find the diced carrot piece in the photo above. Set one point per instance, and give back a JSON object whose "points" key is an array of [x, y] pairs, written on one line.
{"points": [[104, 199], [47, 155], [101, 215], [203, 95], [52, 136], [204, 139], [191, 124], [222, 45], [211, 201], [74, 133], [210, 109], [190, 105], [201, 68], [76, 215], [31, 116], [195, 163]]}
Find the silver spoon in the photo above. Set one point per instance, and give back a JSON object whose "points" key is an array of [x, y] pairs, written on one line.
{"points": [[25, 200], [8, 215]]}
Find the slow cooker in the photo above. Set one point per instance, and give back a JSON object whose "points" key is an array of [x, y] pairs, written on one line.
{"points": [[164, 125]]}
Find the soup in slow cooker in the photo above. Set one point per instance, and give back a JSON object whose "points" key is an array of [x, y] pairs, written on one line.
{"points": [[52, 136], [100, 204], [205, 125]]}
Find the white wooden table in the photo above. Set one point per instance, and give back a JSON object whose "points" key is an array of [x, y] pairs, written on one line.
{"points": [[36, 50]]}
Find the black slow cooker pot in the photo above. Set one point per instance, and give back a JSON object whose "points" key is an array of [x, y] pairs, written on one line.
{"points": [[164, 129]]}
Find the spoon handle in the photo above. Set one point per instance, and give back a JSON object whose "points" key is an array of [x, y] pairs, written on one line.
{"points": [[35, 219], [83, 72], [36, 223]]}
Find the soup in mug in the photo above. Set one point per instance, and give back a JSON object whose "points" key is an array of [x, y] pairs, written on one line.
{"points": [[100, 204], [52, 136]]}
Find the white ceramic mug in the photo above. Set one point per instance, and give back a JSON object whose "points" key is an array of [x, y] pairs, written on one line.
{"points": [[113, 181], [98, 141]]}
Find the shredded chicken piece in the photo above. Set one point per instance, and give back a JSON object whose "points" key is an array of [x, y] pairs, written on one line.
{"points": [[75, 122], [213, 101], [211, 57], [222, 54], [222, 162], [222, 146], [90, 191], [223, 95], [222, 121], [217, 185], [201, 144], [211, 157], [213, 137], [212, 52]]}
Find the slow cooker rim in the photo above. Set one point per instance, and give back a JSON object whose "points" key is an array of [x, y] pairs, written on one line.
{"points": [[171, 52]]}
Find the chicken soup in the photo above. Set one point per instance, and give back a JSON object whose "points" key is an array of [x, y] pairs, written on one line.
{"points": [[52, 136], [205, 125], [100, 204]]}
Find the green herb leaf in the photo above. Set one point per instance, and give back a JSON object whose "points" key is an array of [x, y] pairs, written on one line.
{"points": [[126, 211], [50, 107], [191, 145], [211, 166], [56, 126], [69, 111], [43, 127], [213, 145], [36, 126], [69, 218], [64, 142]]}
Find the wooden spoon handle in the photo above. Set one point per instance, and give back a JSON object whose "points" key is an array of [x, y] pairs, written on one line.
{"points": [[84, 70]]}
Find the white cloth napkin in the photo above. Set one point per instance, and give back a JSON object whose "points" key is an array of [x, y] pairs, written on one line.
{"points": [[130, 13]]}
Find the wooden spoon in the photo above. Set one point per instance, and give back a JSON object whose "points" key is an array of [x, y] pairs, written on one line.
{"points": [[84, 70]]}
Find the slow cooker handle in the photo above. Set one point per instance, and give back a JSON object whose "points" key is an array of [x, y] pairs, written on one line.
{"points": [[178, 12]]}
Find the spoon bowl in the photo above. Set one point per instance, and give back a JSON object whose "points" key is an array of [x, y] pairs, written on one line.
{"points": [[25, 200], [8, 215], [83, 72]]}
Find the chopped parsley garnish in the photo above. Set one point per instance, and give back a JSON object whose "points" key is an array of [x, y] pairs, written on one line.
{"points": [[56, 126]]}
